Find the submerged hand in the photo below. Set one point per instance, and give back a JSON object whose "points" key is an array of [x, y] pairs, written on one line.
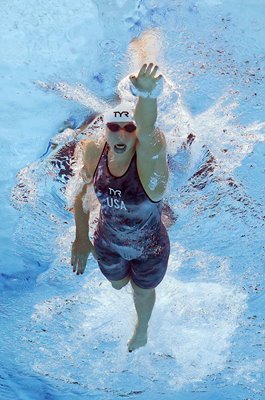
{"points": [[146, 80], [80, 252]]}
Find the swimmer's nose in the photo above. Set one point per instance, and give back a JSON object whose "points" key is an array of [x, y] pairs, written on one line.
{"points": [[122, 134]]}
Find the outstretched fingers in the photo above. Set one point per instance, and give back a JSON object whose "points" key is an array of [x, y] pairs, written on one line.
{"points": [[149, 68], [145, 71], [142, 70], [154, 71], [158, 78], [151, 73]]}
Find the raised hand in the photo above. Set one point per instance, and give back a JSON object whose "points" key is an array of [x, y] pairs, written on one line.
{"points": [[146, 80]]}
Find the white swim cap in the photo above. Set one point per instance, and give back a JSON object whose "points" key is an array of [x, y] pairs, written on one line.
{"points": [[122, 113]]}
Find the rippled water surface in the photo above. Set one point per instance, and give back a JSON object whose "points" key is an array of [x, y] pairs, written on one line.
{"points": [[64, 336]]}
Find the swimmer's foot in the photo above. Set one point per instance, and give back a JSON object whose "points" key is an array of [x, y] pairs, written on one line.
{"points": [[138, 339]]}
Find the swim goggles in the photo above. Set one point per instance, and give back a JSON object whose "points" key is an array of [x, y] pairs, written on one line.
{"points": [[113, 127]]}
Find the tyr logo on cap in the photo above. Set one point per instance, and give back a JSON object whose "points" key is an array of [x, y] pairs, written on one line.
{"points": [[126, 113], [121, 113]]}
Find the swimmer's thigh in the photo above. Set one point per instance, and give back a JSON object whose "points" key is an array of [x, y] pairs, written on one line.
{"points": [[111, 264], [149, 270]]}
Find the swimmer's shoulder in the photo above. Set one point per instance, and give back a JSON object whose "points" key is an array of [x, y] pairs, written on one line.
{"points": [[92, 150]]}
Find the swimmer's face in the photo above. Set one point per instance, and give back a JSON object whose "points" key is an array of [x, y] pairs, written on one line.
{"points": [[121, 141]]}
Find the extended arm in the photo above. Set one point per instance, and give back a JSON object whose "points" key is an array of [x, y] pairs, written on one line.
{"points": [[151, 146], [145, 113], [144, 86]]}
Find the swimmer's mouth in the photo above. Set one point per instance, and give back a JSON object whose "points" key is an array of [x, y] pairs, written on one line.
{"points": [[120, 148]]}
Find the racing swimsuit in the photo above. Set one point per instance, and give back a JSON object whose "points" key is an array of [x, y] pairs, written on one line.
{"points": [[130, 238]]}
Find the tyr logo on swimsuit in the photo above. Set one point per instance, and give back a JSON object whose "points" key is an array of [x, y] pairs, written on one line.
{"points": [[113, 192], [114, 202]]}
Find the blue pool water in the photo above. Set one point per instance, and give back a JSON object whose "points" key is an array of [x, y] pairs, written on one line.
{"points": [[64, 336]]}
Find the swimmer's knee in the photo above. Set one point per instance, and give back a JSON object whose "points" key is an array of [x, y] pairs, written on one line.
{"points": [[121, 283], [141, 291]]}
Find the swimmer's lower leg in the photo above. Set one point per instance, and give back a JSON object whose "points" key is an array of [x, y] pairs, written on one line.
{"points": [[144, 301]]}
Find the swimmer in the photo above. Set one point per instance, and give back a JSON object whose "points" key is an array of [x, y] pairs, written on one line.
{"points": [[129, 171]]}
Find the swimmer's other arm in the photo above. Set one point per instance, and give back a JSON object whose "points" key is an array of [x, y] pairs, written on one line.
{"points": [[82, 246]]}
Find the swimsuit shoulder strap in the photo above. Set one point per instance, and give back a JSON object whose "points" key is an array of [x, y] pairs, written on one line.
{"points": [[103, 153]]}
